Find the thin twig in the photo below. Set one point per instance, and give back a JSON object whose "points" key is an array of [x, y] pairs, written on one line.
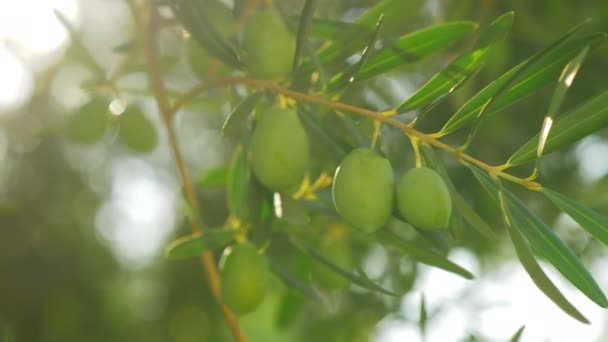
{"points": [[430, 139], [158, 89]]}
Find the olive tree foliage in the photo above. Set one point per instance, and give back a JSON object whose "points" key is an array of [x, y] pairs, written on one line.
{"points": [[326, 160]]}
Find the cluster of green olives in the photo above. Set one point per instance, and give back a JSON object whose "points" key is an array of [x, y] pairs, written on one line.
{"points": [[363, 186], [364, 193]]}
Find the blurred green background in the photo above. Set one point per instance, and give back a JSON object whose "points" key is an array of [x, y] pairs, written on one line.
{"points": [[83, 228]]}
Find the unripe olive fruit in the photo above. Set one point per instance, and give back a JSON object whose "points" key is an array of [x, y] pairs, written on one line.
{"points": [[363, 189], [89, 123], [136, 131], [280, 150], [423, 199], [270, 45], [338, 252], [244, 276]]}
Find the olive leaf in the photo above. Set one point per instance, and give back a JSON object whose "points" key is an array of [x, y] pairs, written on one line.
{"points": [[237, 122], [531, 75], [356, 279], [238, 182], [544, 241], [518, 334], [421, 254], [540, 279], [569, 128], [293, 281], [446, 81], [195, 244], [303, 28], [592, 222], [213, 177]]}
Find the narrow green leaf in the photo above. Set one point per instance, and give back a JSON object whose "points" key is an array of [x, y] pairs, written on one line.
{"points": [[518, 334], [303, 28], [356, 279], [545, 241], [328, 29], [536, 273], [594, 223], [238, 181], [341, 80], [290, 210], [213, 177], [318, 134], [194, 16], [472, 217], [533, 74], [565, 81], [461, 69], [423, 316], [293, 281], [421, 254], [415, 46], [79, 48], [237, 122], [195, 244], [578, 123]]}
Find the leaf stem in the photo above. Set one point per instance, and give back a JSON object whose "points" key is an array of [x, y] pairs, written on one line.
{"points": [[158, 89], [430, 139]]}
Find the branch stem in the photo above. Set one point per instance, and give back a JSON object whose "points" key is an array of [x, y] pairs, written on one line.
{"points": [[208, 261], [408, 130]]}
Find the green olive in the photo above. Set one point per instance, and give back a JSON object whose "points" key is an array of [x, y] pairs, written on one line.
{"points": [[88, 125], [136, 131], [244, 276], [363, 189], [270, 45], [336, 250], [280, 150], [222, 20], [423, 199]]}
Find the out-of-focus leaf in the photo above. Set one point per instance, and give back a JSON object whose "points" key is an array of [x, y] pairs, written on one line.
{"points": [[544, 241], [293, 281], [423, 316], [136, 131], [472, 217], [415, 46], [216, 177], [518, 334], [318, 134], [578, 123], [592, 222], [534, 73], [356, 36], [328, 29], [89, 123], [195, 244], [195, 17], [78, 46], [289, 210], [237, 123], [461, 69], [340, 81], [290, 306], [356, 279], [303, 28], [538, 276], [565, 81], [422, 254], [238, 181]]}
